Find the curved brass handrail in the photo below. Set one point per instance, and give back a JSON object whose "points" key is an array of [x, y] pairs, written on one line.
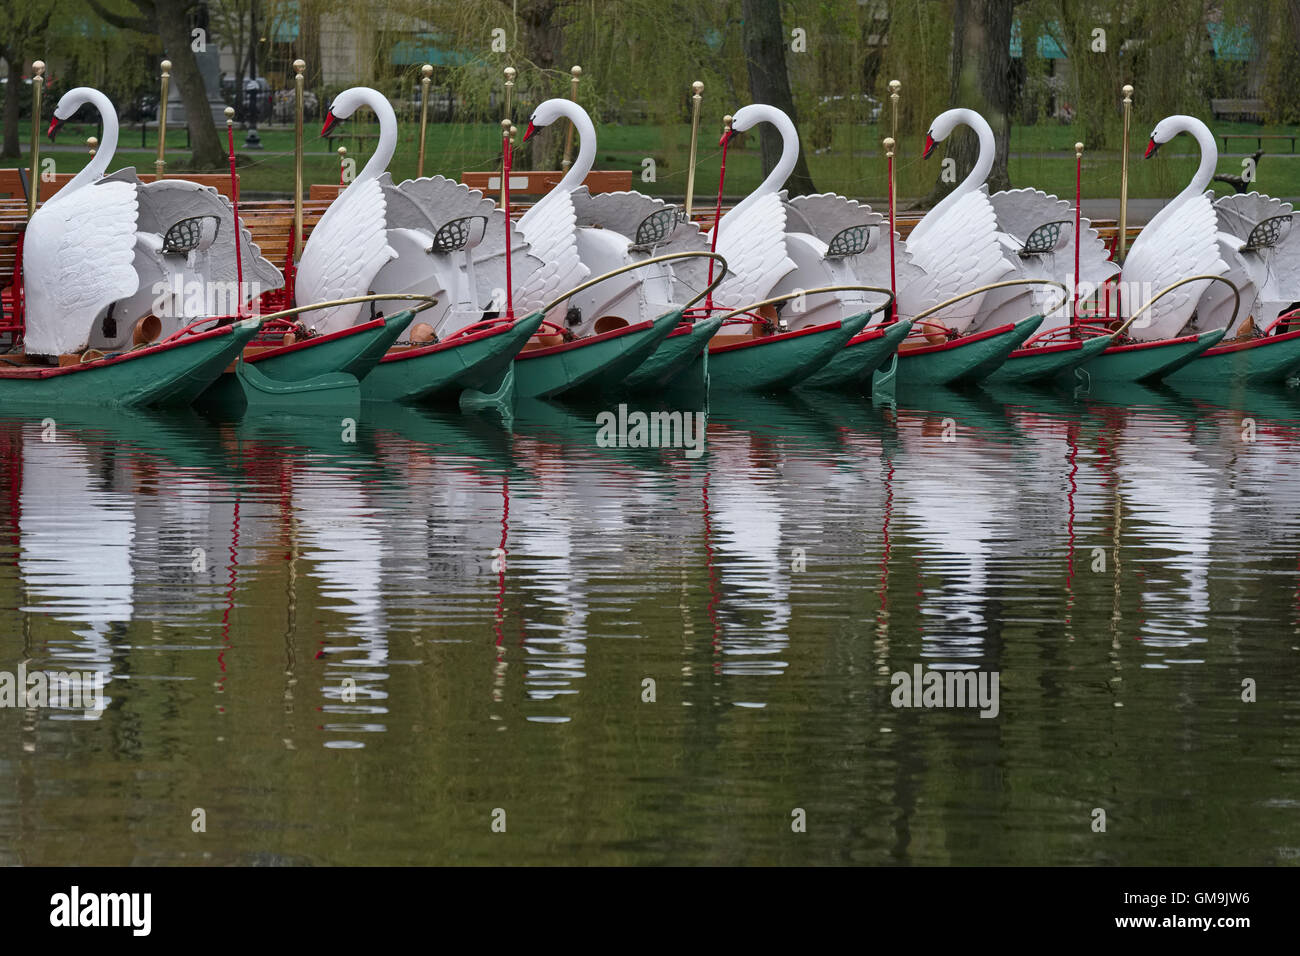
{"points": [[428, 300], [997, 285], [647, 262], [1236, 296], [826, 288]]}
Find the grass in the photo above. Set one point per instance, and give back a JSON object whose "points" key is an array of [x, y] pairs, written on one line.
{"points": [[1041, 156]]}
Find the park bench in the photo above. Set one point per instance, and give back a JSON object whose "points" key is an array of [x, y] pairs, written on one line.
{"points": [[13, 182], [1240, 109], [347, 138], [540, 182], [1258, 138]]}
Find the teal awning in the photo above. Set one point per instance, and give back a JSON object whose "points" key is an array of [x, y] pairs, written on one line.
{"points": [[423, 48], [1047, 46], [1232, 43], [284, 29]]}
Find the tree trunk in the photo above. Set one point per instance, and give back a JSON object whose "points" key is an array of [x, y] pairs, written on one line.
{"points": [[997, 83], [542, 39], [309, 43], [983, 29], [13, 148], [769, 83], [174, 28]]}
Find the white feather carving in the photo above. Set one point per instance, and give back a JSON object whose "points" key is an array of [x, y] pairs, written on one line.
{"points": [[751, 237], [77, 260], [958, 252], [1182, 244], [1021, 211], [1274, 270], [343, 255]]}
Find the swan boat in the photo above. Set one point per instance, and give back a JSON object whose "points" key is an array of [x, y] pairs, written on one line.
{"points": [[380, 235], [1178, 266], [767, 259], [957, 250], [613, 323], [87, 260]]}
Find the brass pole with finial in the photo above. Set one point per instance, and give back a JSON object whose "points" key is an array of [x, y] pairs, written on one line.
{"points": [[299, 81], [343, 155], [426, 79], [92, 144], [697, 96], [895, 86], [1123, 175], [510, 90], [576, 71], [889, 145], [160, 163], [1078, 217], [38, 86]]}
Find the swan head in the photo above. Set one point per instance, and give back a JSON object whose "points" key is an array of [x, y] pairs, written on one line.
{"points": [[345, 104], [940, 130], [746, 118], [1165, 130], [67, 107], [547, 112]]}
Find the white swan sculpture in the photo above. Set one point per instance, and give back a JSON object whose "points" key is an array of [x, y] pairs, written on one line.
{"points": [[80, 245], [349, 245], [1181, 240], [431, 235], [957, 244], [1036, 233], [751, 235]]}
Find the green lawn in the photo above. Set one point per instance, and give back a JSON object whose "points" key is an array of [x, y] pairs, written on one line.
{"points": [[1042, 156]]}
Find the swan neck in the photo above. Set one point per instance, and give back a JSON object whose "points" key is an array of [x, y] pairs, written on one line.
{"points": [[976, 178], [586, 157], [387, 145], [775, 180], [98, 164]]}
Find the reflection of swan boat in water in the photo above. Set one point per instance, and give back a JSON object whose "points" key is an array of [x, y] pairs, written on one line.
{"points": [[340, 542], [1168, 492]]}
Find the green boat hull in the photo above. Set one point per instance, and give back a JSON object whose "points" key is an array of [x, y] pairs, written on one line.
{"points": [[781, 361], [1257, 361], [354, 351], [161, 375], [854, 365], [966, 359], [1044, 363], [442, 371], [590, 364], [681, 352], [1145, 361]]}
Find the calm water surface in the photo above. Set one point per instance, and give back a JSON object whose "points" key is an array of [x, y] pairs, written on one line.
{"points": [[357, 652]]}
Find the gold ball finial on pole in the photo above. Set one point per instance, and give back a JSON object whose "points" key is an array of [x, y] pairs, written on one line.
{"points": [[1127, 90], [697, 87], [38, 67], [343, 151], [511, 72], [230, 115], [895, 86], [576, 71], [889, 144], [426, 70], [166, 67], [299, 66], [505, 127], [1078, 150], [92, 144], [727, 120]]}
